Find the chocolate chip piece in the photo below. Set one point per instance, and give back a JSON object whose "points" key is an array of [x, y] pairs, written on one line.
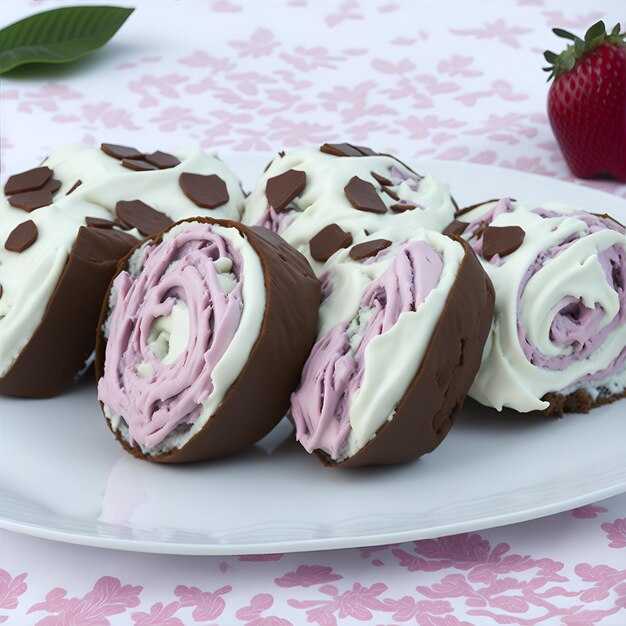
{"points": [[455, 228], [138, 165], [609, 218], [31, 200], [53, 185], [281, 154], [501, 240], [99, 222], [208, 192], [120, 152], [363, 196], [282, 189], [402, 207], [391, 193], [162, 160], [1, 292], [381, 179], [75, 186], [27, 181], [473, 206], [340, 149], [144, 218], [365, 151], [328, 241], [368, 248], [22, 237]]}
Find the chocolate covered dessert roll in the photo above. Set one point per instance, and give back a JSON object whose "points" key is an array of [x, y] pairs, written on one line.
{"points": [[64, 226], [203, 339], [401, 333], [322, 200], [558, 342]]}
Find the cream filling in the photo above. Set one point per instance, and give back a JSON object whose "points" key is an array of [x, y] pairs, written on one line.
{"points": [[228, 368]]}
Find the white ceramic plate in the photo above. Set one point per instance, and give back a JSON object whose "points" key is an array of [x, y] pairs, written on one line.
{"points": [[62, 475]]}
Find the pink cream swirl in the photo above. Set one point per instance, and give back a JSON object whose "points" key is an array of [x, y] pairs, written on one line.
{"points": [[334, 371], [188, 267], [577, 329]]}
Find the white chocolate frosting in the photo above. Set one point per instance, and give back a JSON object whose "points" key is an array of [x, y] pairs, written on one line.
{"points": [[324, 202], [560, 312], [29, 278]]}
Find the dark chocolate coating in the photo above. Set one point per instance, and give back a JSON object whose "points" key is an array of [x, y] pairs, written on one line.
{"points": [[65, 338], [427, 411], [259, 397]]}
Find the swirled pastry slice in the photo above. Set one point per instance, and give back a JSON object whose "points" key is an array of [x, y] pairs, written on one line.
{"points": [[558, 341], [402, 329], [64, 226], [203, 337]]}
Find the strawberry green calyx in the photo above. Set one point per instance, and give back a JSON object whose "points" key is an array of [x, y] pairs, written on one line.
{"points": [[594, 37]]}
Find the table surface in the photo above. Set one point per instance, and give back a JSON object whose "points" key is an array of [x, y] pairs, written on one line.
{"points": [[457, 80]]}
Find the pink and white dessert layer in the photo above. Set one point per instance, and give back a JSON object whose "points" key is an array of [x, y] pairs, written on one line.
{"points": [[560, 320], [374, 329], [182, 324]]}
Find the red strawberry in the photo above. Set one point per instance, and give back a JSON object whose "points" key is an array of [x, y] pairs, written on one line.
{"points": [[587, 101]]}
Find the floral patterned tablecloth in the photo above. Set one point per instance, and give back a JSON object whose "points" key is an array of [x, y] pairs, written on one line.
{"points": [[456, 80]]}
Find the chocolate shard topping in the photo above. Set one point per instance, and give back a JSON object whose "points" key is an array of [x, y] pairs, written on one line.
{"points": [[381, 179], [99, 222], [365, 151], [341, 150], [120, 152], [31, 200], [162, 160], [138, 165], [501, 240], [391, 193], [75, 186], [364, 197], [401, 208], [328, 241], [27, 181], [207, 192], [1, 291], [368, 248], [455, 227], [53, 185], [144, 218], [609, 218], [468, 209], [23, 236], [282, 189]]}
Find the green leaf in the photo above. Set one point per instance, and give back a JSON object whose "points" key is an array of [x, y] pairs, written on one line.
{"points": [[550, 56], [616, 30], [597, 30], [559, 32], [59, 35]]}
